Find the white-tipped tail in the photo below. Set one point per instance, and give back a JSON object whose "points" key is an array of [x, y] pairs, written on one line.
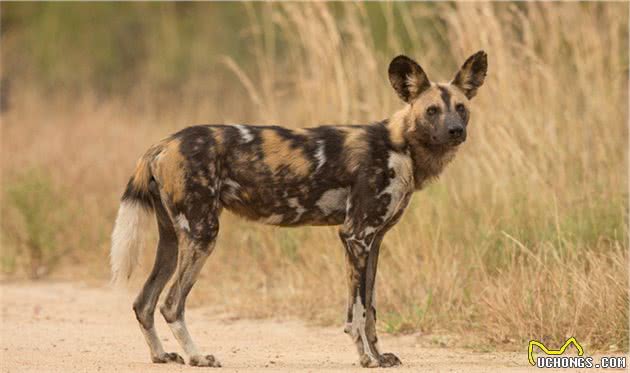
{"points": [[127, 240]]}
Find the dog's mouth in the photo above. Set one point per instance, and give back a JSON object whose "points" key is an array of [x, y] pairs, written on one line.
{"points": [[448, 143]]}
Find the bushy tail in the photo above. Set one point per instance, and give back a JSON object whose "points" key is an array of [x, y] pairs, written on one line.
{"points": [[134, 214]]}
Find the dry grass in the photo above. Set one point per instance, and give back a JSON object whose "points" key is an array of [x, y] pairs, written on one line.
{"points": [[524, 236]]}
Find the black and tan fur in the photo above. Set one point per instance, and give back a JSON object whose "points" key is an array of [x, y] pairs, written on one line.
{"points": [[360, 177]]}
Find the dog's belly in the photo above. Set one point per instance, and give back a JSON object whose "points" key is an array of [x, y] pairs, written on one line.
{"points": [[286, 205]]}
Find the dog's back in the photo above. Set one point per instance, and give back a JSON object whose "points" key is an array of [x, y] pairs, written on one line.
{"points": [[270, 174]]}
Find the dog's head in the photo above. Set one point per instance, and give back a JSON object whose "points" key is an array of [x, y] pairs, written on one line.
{"points": [[438, 113]]}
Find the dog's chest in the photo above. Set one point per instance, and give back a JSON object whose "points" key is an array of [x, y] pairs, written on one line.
{"points": [[397, 193]]}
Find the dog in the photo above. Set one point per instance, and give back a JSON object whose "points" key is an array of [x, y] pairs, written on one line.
{"points": [[360, 177]]}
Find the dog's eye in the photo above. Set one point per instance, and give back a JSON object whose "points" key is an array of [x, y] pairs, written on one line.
{"points": [[460, 109], [432, 110]]}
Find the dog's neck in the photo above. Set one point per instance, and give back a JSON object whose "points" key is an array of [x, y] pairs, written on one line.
{"points": [[428, 160], [428, 163]]}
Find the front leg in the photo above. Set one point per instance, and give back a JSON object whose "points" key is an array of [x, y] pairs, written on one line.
{"points": [[361, 248]]}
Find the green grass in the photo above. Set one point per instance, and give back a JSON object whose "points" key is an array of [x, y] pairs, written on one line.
{"points": [[41, 215]]}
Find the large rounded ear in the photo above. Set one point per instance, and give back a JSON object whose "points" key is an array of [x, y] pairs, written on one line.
{"points": [[407, 78], [472, 74]]}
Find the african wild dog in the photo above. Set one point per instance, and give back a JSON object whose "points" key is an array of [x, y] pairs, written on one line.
{"points": [[358, 176]]}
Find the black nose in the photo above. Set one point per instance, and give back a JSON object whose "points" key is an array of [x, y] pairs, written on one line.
{"points": [[456, 132]]}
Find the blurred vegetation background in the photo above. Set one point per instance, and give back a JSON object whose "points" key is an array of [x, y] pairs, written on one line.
{"points": [[524, 236], [111, 48]]}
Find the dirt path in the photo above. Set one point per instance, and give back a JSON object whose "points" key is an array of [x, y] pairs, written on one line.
{"points": [[66, 327]]}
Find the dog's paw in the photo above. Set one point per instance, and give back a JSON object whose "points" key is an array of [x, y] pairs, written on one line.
{"points": [[168, 357], [388, 359], [383, 361], [204, 361], [368, 362]]}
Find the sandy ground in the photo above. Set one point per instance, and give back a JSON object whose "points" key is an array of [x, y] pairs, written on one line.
{"points": [[69, 327]]}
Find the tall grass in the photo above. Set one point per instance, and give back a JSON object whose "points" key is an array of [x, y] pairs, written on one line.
{"points": [[524, 236]]}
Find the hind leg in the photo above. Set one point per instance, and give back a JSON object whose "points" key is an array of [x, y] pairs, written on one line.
{"points": [[199, 237], [163, 269]]}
